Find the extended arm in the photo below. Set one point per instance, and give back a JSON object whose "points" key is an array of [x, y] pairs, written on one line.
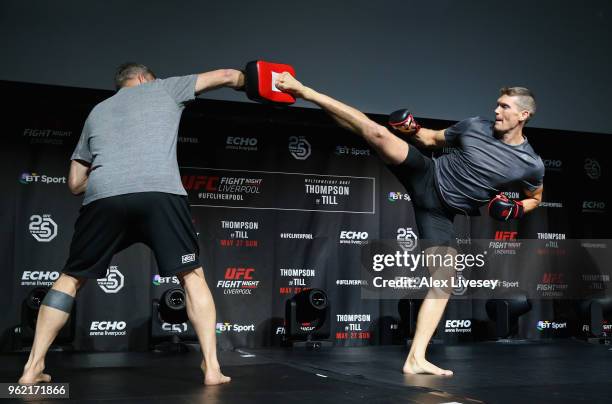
{"points": [[403, 122], [219, 78], [430, 137]]}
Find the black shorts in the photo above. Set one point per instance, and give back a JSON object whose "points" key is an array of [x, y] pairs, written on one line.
{"points": [[106, 226], [433, 217]]}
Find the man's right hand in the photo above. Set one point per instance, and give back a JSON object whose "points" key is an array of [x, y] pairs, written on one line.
{"points": [[503, 208], [289, 84]]}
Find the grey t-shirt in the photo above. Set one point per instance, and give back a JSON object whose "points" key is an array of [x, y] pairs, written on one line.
{"points": [[481, 166], [130, 139]]}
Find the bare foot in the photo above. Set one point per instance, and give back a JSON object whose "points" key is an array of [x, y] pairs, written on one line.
{"points": [[33, 376], [212, 378], [422, 366]]}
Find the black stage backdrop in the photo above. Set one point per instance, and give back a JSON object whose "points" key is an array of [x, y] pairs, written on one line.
{"points": [[253, 174]]}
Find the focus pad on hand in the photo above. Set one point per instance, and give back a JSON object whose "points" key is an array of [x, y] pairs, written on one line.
{"points": [[260, 77]]}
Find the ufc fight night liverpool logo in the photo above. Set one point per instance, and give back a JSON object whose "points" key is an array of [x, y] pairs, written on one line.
{"points": [[43, 228]]}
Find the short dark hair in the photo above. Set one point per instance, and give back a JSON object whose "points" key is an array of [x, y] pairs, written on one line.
{"points": [[128, 71], [525, 98]]}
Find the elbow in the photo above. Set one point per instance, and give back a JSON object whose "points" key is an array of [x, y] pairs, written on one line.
{"points": [[433, 141], [229, 77], [71, 185], [427, 141], [534, 203], [429, 138], [76, 188]]}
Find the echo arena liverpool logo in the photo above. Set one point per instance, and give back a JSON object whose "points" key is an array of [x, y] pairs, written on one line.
{"points": [[42, 228], [458, 326], [353, 237], [553, 165], [39, 278], [109, 328], [241, 143], [299, 147]]}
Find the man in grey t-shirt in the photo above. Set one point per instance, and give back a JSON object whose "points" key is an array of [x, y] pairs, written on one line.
{"points": [[129, 140], [488, 158], [480, 164], [125, 163]]}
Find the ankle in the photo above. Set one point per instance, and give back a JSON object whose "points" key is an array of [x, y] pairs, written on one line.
{"points": [[416, 356], [35, 366], [212, 365]]}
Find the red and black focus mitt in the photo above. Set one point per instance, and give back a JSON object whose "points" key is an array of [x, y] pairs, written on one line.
{"points": [[502, 208], [259, 78], [403, 121]]}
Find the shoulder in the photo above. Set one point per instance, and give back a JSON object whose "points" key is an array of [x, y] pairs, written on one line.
{"points": [[481, 119], [175, 80], [106, 104], [98, 110], [101, 111], [475, 126], [481, 122], [538, 163], [529, 149], [474, 121]]}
